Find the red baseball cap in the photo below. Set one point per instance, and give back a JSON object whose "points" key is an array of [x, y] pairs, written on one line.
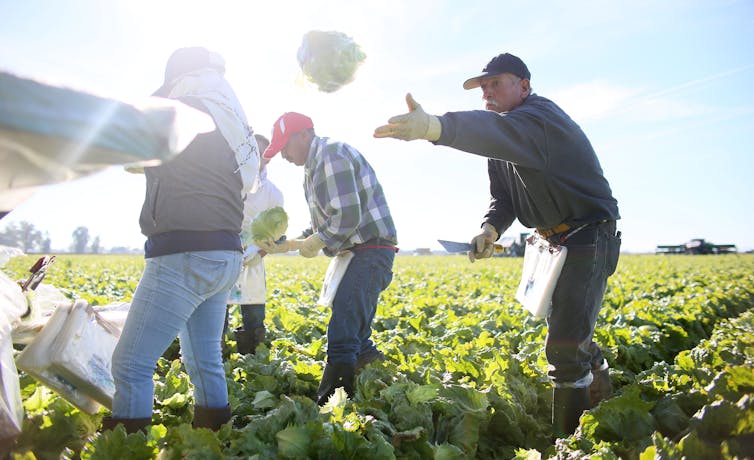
{"points": [[289, 123]]}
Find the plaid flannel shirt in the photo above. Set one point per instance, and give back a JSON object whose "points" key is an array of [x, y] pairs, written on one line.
{"points": [[346, 202]]}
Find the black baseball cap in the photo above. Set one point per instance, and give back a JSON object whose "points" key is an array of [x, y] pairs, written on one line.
{"points": [[185, 60], [502, 63]]}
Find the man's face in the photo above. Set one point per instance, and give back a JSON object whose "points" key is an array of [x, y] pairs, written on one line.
{"points": [[296, 150], [504, 92]]}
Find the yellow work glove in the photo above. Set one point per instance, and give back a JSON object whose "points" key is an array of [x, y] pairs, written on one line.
{"points": [[483, 245], [311, 245], [270, 247], [416, 124]]}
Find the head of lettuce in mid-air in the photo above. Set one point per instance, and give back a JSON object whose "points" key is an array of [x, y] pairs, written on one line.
{"points": [[329, 59], [269, 225]]}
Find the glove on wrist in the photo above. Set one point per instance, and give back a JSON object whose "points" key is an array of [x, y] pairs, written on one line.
{"points": [[270, 247], [416, 124], [311, 245], [483, 245]]}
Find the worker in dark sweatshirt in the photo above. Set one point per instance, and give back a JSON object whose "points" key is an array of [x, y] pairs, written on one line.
{"points": [[544, 172]]}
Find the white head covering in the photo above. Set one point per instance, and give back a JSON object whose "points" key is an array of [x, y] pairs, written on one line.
{"points": [[209, 86]]}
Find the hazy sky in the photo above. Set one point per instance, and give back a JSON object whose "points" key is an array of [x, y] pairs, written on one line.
{"points": [[664, 90]]}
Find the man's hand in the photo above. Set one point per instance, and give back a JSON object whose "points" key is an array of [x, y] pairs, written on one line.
{"points": [[483, 245], [416, 124], [311, 245], [270, 247]]}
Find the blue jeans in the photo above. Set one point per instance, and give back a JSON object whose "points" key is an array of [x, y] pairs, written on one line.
{"points": [[181, 295], [355, 303], [592, 257]]}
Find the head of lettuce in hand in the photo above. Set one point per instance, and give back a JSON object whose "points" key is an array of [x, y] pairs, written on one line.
{"points": [[269, 225]]}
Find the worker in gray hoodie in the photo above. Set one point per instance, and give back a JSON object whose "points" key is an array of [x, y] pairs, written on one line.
{"points": [[192, 215]]}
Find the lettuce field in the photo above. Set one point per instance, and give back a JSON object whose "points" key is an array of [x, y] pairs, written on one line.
{"points": [[465, 375]]}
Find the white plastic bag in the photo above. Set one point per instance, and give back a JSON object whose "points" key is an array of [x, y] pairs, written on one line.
{"points": [[543, 262], [72, 355], [114, 313], [42, 302], [44, 299], [333, 277], [250, 288], [35, 361], [7, 253], [11, 409], [12, 302], [12, 306], [82, 353]]}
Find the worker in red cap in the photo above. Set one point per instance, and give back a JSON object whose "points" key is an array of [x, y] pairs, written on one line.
{"points": [[350, 219]]}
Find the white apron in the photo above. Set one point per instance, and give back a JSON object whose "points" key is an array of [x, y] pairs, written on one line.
{"points": [[251, 287]]}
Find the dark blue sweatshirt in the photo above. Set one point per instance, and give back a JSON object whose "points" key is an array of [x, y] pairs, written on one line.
{"points": [[542, 168]]}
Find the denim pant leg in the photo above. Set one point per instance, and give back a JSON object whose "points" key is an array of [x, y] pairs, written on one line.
{"points": [[355, 303], [171, 289], [201, 350], [576, 302]]}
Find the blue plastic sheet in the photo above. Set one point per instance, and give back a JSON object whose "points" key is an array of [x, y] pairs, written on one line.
{"points": [[51, 134]]}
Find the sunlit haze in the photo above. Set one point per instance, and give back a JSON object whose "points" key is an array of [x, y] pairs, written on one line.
{"points": [[663, 90]]}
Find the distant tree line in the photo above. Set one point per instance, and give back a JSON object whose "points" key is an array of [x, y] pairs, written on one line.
{"points": [[29, 239], [26, 237]]}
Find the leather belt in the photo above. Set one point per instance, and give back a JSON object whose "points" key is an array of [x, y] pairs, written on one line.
{"points": [[548, 232], [375, 243]]}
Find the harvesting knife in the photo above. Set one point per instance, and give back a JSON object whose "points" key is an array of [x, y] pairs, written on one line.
{"points": [[455, 246]]}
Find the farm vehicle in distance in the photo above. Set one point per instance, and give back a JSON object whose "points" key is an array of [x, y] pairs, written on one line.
{"points": [[696, 246]]}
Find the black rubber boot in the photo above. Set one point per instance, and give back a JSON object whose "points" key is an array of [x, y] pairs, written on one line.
{"points": [[601, 387], [567, 406], [368, 358], [132, 425], [247, 341], [244, 341], [6, 445], [212, 418], [335, 376]]}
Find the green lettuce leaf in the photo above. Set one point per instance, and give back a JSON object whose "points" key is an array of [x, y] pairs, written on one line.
{"points": [[270, 224]]}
